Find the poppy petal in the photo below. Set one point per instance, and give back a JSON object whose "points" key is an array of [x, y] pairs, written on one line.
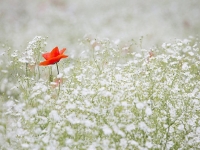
{"points": [[44, 63], [46, 56], [62, 51], [54, 52], [57, 59]]}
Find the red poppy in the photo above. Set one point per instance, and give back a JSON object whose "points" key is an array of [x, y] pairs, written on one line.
{"points": [[53, 57]]}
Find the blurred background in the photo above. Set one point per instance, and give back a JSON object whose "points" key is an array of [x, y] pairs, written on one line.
{"points": [[67, 21]]}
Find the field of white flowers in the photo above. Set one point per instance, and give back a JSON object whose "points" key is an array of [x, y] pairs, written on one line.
{"points": [[131, 79]]}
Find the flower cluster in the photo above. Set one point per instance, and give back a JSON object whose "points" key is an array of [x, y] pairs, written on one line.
{"points": [[147, 100], [33, 50]]}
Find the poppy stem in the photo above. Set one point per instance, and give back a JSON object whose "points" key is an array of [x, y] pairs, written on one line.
{"points": [[58, 80], [57, 68]]}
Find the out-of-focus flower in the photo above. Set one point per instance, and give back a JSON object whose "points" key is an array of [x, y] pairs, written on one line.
{"points": [[56, 82], [151, 54], [53, 57]]}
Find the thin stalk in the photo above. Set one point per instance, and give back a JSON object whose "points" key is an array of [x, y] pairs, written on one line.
{"points": [[57, 68], [58, 80], [50, 75]]}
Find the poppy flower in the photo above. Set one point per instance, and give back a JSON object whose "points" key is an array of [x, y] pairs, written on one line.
{"points": [[53, 57]]}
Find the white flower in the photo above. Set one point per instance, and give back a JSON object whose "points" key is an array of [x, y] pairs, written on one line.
{"points": [[69, 130], [140, 105], [60, 75], [198, 130], [123, 143], [118, 77], [148, 144], [143, 126], [148, 111], [54, 115], [181, 127], [106, 130], [130, 127], [185, 66]]}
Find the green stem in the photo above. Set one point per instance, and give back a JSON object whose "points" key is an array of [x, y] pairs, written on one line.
{"points": [[50, 75], [58, 80], [57, 68]]}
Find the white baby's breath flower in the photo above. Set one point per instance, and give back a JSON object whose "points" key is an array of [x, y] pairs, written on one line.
{"points": [[70, 106], [106, 130], [191, 53], [148, 144], [97, 48], [123, 143], [69, 141], [130, 127], [45, 139], [181, 127], [198, 130], [60, 75], [54, 115], [142, 125], [185, 66], [138, 55], [140, 105], [34, 48], [118, 77], [148, 111], [4, 71], [14, 55], [25, 145], [70, 131]]}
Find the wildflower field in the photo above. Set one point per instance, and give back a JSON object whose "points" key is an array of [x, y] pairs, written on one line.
{"points": [[68, 87]]}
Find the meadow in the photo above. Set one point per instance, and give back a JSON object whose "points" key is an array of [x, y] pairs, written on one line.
{"points": [[112, 98], [111, 92]]}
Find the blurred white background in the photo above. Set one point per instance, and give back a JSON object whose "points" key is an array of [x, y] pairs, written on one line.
{"points": [[66, 21]]}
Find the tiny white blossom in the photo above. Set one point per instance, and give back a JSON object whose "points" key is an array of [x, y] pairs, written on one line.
{"points": [[179, 44], [25, 145], [45, 139], [14, 55], [185, 66], [92, 42], [125, 104], [198, 130], [70, 131], [143, 126], [118, 77], [132, 142], [138, 55], [170, 144], [89, 123], [148, 144], [123, 143], [93, 146], [67, 70], [130, 127], [54, 115], [140, 105], [106, 130], [60, 75], [191, 53], [181, 127], [96, 48], [70, 106], [69, 141], [148, 111], [4, 71]]}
